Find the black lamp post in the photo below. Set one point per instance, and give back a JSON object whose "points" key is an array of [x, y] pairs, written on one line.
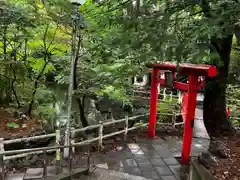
{"points": [[75, 22]]}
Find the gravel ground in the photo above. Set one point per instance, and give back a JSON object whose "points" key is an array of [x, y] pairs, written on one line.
{"points": [[228, 168]]}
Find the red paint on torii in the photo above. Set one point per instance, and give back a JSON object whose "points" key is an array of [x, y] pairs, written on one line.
{"points": [[194, 71], [197, 69]]}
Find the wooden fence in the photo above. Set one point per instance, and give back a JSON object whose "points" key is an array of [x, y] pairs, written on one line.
{"points": [[7, 155], [14, 154]]}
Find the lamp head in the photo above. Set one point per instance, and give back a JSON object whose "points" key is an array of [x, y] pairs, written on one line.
{"points": [[77, 2]]}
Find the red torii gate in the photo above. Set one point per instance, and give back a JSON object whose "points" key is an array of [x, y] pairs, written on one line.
{"points": [[194, 71]]}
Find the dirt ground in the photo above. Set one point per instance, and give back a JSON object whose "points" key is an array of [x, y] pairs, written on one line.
{"points": [[229, 168], [29, 127]]}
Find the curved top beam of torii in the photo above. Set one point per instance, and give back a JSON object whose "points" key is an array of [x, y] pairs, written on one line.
{"points": [[197, 69]]}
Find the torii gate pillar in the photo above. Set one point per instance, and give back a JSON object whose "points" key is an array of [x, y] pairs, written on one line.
{"points": [[153, 103], [194, 71]]}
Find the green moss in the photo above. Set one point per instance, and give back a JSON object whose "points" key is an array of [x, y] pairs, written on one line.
{"points": [[165, 110]]}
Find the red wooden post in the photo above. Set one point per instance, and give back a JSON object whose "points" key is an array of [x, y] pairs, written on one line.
{"points": [[153, 103], [228, 112], [184, 106], [189, 122]]}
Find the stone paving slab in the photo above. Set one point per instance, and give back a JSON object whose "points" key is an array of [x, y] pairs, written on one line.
{"points": [[37, 173], [153, 158], [199, 130], [147, 161], [34, 173], [15, 176], [103, 174]]}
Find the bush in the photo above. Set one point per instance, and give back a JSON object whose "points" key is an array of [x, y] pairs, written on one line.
{"points": [[233, 101], [167, 107]]}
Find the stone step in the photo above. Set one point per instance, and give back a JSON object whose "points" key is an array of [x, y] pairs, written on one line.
{"points": [[15, 176], [110, 174], [37, 173]]}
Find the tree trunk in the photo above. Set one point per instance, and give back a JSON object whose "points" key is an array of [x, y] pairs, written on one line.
{"points": [[75, 85], [82, 114], [14, 80], [79, 102], [7, 73], [30, 107], [214, 106]]}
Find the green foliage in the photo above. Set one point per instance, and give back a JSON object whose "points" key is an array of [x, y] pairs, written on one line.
{"points": [[119, 38], [30, 41], [166, 109], [49, 115], [165, 106], [45, 96], [234, 70], [233, 102], [12, 125]]}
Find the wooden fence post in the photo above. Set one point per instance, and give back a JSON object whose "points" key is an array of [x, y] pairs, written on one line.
{"points": [[58, 152], [174, 118], [100, 134], [126, 128], [179, 97], [2, 169], [70, 158], [88, 158], [45, 161], [73, 140], [164, 94], [111, 111], [66, 149]]}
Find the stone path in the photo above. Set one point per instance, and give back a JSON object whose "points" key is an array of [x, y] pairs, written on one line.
{"points": [[151, 159], [154, 162], [103, 174], [199, 130], [98, 174], [154, 159]]}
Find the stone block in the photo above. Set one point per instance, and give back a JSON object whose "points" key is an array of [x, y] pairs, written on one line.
{"points": [[157, 162], [34, 173], [150, 175], [168, 178], [15, 176], [129, 163], [163, 171], [171, 161], [133, 146], [145, 166]]}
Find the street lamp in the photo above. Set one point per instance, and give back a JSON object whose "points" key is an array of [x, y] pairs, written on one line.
{"points": [[3, 4], [75, 22], [77, 2]]}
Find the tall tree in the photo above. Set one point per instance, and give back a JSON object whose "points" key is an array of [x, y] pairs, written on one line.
{"points": [[186, 31]]}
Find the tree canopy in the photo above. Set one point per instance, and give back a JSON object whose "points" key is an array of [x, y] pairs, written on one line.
{"points": [[115, 39]]}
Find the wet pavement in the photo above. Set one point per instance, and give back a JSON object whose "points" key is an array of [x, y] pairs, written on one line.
{"points": [[156, 159], [151, 159], [199, 130], [103, 174]]}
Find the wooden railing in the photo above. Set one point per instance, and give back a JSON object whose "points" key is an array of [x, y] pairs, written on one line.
{"points": [[58, 135], [14, 154]]}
